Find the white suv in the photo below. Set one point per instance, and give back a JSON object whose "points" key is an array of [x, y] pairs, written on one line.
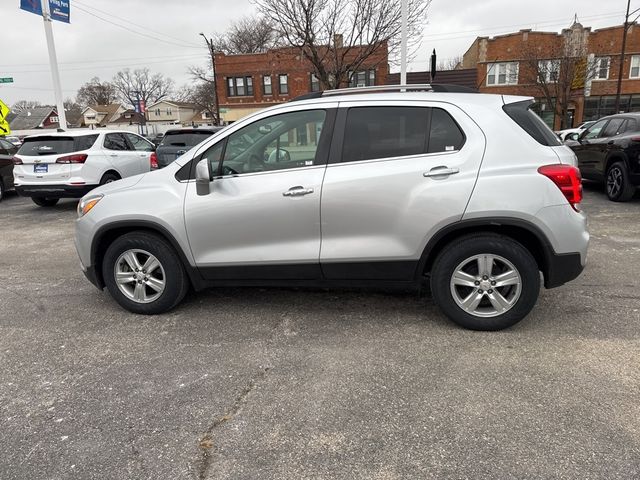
{"points": [[470, 192], [54, 165]]}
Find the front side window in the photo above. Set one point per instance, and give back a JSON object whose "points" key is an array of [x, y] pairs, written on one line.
{"points": [[502, 73], [595, 129], [384, 132], [635, 67], [283, 82], [139, 143], [288, 140]]}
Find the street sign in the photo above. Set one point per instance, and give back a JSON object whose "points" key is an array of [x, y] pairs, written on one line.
{"points": [[4, 125], [59, 9], [6, 79]]}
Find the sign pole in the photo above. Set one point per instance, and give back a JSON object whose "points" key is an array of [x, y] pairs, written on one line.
{"points": [[403, 43], [53, 62]]}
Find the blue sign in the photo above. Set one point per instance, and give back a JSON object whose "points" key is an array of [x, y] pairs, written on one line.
{"points": [[59, 9]]}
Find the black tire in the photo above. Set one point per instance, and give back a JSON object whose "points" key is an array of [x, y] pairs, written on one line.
{"points": [[45, 201], [175, 277], [463, 250], [1, 189], [108, 178], [617, 183]]}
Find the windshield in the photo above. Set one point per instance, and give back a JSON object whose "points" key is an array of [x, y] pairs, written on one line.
{"points": [[185, 139], [37, 146]]}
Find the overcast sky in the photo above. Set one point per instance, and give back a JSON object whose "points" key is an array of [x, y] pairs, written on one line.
{"points": [[167, 40]]}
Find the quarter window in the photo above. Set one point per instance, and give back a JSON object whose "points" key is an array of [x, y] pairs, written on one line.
{"points": [[502, 73], [289, 140], [383, 132], [445, 134]]}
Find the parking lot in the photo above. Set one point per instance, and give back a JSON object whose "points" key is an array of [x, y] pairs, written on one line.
{"points": [[292, 384]]}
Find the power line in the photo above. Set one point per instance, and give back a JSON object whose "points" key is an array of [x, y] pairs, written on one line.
{"points": [[103, 67], [90, 7], [124, 27], [82, 62]]}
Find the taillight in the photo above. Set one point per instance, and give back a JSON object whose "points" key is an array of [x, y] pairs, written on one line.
{"points": [[568, 180], [75, 158], [153, 160], [17, 161]]}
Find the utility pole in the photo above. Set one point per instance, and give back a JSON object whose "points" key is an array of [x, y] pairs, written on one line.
{"points": [[403, 42], [53, 62], [625, 29], [215, 80]]}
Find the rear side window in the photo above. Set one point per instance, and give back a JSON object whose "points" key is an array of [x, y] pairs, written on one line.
{"points": [[520, 112], [614, 127], [381, 132], [445, 134], [38, 146], [630, 125], [185, 139]]}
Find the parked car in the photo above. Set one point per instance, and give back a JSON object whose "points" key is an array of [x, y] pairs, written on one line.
{"points": [[565, 134], [157, 138], [7, 151], [70, 164], [178, 141], [13, 139], [471, 192], [609, 152]]}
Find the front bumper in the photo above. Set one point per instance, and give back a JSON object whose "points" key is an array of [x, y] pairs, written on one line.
{"points": [[54, 191]]}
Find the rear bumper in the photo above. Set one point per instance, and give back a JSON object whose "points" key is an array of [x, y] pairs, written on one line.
{"points": [[54, 191], [562, 268]]}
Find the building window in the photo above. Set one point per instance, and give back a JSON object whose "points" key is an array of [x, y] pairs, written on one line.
{"points": [[53, 119], [239, 86], [315, 83], [169, 111], [635, 67], [601, 68], [548, 71], [502, 73], [364, 78], [158, 112], [266, 85], [283, 84]]}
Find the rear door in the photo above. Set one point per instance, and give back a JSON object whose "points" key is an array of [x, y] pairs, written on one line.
{"points": [[397, 173], [143, 149], [121, 155]]}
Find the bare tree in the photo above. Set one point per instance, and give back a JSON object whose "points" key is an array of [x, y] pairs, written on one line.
{"points": [[24, 105], [338, 36], [201, 95], [452, 63], [247, 35], [95, 92], [141, 84], [559, 72]]}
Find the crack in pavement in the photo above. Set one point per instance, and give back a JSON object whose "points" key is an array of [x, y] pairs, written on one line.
{"points": [[206, 444]]}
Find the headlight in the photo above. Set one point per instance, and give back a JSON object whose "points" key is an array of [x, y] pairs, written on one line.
{"points": [[87, 203]]}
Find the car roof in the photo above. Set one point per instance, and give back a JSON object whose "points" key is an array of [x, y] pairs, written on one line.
{"points": [[194, 129], [77, 132]]}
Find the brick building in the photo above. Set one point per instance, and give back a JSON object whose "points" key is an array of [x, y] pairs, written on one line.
{"points": [[505, 65], [250, 82]]}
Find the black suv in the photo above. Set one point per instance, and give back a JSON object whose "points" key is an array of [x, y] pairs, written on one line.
{"points": [[176, 142], [609, 151], [7, 151]]}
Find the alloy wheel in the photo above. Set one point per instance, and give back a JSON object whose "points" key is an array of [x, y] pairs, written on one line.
{"points": [[486, 285], [614, 181], [139, 275]]}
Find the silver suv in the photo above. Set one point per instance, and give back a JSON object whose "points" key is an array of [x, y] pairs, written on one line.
{"points": [[380, 186]]}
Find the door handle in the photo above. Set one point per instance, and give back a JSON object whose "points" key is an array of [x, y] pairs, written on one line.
{"points": [[298, 191], [441, 171], [610, 142]]}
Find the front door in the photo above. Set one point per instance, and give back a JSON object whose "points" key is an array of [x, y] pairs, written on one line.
{"points": [[588, 149], [401, 173], [261, 219]]}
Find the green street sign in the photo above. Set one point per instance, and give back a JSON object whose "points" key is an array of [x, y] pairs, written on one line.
{"points": [[6, 79]]}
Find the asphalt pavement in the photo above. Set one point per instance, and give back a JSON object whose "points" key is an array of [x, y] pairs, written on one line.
{"points": [[313, 384]]}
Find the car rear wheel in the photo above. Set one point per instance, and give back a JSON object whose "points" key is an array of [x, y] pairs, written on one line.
{"points": [[108, 178], [45, 201], [485, 282], [143, 273], [619, 187]]}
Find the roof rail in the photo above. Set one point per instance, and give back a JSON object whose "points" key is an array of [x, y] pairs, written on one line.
{"points": [[419, 87]]}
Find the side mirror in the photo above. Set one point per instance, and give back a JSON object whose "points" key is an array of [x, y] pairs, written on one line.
{"points": [[573, 136], [203, 178]]}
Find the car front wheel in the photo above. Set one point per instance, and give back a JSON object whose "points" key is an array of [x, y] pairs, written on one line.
{"points": [[485, 282], [143, 273]]}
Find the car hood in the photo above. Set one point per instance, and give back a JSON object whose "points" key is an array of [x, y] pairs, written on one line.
{"points": [[122, 184]]}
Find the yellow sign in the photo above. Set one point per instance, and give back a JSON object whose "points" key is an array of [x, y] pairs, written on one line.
{"points": [[4, 125]]}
